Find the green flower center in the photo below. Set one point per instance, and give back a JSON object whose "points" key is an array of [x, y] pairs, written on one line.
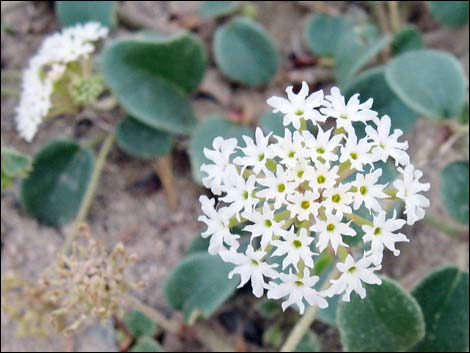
{"points": [[353, 155], [297, 243], [281, 188], [291, 154], [299, 283], [343, 116], [377, 231], [305, 204], [363, 190], [336, 198], [300, 173], [320, 150], [245, 195], [352, 269], [330, 227], [254, 262], [268, 223], [299, 112], [321, 179], [261, 157]]}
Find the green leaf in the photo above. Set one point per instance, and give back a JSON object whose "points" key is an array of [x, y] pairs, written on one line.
{"points": [[387, 320], [140, 324], [455, 191], [356, 49], [273, 336], [244, 52], [431, 82], [146, 344], [218, 8], [53, 191], [372, 84], [464, 116], [14, 163], [272, 122], [324, 31], [199, 244], [143, 141], [151, 77], [269, 308], [408, 38], [73, 12], [450, 13], [205, 133], [308, 343], [443, 297], [199, 285]]}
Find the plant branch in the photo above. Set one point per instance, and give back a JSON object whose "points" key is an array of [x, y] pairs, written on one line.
{"points": [[302, 326], [163, 167], [90, 192], [394, 15], [443, 226]]}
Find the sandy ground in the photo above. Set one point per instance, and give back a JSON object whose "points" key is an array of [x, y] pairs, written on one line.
{"points": [[130, 207]]}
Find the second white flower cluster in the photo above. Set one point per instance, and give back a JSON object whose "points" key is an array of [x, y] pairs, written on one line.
{"points": [[297, 195]]}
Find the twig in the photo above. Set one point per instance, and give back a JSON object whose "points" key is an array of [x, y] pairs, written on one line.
{"points": [[90, 192], [307, 319], [163, 167], [394, 15]]}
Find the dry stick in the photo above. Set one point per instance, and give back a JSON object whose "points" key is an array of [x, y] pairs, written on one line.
{"points": [[302, 326], [163, 167], [90, 192], [394, 15]]}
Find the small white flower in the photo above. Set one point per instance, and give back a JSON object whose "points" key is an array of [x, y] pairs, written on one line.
{"points": [[301, 172], [220, 168], [324, 177], [250, 267], [353, 274], [264, 225], [368, 191], [277, 187], [323, 146], [255, 154], [217, 222], [386, 145], [338, 198], [299, 106], [382, 234], [408, 190], [297, 289], [240, 193], [295, 247], [347, 113], [289, 148], [357, 153], [331, 231], [303, 205]]}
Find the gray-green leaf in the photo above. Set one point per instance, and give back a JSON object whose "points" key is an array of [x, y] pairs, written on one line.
{"points": [[53, 191], [245, 53], [141, 140], [443, 297], [450, 13], [387, 320], [218, 8], [73, 12], [455, 190], [140, 324], [431, 82], [199, 285], [408, 38], [146, 344]]}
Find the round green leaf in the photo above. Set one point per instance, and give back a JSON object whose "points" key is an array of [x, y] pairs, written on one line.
{"points": [[218, 8], [146, 344], [443, 297], [140, 324], [387, 320], [141, 140], [53, 191], [323, 32], [205, 133], [455, 191], [73, 12], [408, 38], [372, 84], [272, 122], [199, 285], [150, 78], [450, 13], [430, 82], [356, 48], [244, 52]]}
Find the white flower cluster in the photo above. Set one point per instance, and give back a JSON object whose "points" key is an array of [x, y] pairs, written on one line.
{"points": [[293, 196], [47, 67]]}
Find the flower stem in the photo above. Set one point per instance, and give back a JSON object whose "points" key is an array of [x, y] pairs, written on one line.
{"points": [[394, 15], [163, 167], [302, 326], [358, 219], [90, 192], [443, 226]]}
